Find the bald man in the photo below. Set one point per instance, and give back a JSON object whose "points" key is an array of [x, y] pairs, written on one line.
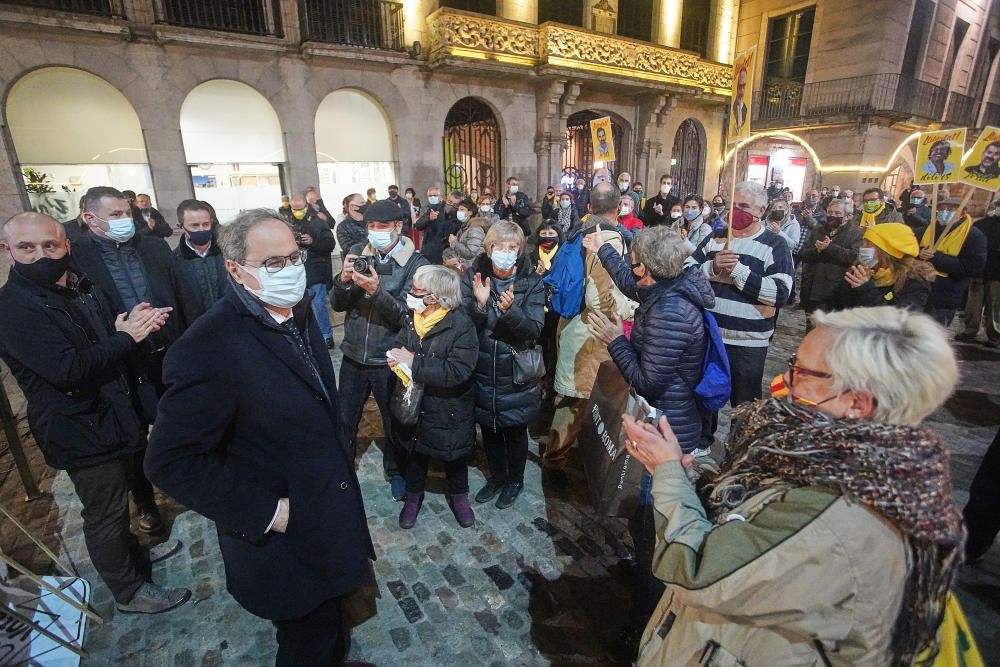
{"points": [[67, 349]]}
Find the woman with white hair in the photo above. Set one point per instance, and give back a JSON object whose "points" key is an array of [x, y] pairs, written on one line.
{"points": [[436, 350], [829, 535]]}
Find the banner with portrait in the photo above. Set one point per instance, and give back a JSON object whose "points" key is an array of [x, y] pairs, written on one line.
{"points": [[981, 169], [603, 138], [739, 108], [939, 155]]}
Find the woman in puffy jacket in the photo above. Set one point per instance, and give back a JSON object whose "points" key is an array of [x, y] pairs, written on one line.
{"points": [[505, 298], [662, 362]]}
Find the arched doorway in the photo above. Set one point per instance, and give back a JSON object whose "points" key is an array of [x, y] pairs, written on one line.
{"points": [[72, 131], [578, 156], [472, 157], [354, 146], [687, 158], [233, 146]]}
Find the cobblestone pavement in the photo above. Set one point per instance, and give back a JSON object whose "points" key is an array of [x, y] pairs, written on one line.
{"points": [[545, 582]]}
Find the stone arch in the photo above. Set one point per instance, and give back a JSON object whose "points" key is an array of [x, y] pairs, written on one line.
{"points": [[472, 145]]}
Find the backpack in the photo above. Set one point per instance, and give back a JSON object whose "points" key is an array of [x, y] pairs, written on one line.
{"points": [[566, 278], [715, 386]]}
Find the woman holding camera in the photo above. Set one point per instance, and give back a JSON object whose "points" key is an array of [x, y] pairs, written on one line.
{"points": [[506, 300]]}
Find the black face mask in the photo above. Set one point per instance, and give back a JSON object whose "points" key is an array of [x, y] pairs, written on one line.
{"points": [[777, 216], [833, 221], [548, 242], [45, 271]]}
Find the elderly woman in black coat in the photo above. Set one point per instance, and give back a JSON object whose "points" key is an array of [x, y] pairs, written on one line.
{"points": [[662, 362], [438, 347], [506, 300]]}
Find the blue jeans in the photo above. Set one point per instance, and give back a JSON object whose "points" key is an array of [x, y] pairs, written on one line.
{"points": [[318, 295]]}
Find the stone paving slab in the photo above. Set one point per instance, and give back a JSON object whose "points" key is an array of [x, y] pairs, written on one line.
{"points": [[541, 583]]}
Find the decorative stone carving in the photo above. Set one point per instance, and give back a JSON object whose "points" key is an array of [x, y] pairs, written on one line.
{"points": [[466, 31]]}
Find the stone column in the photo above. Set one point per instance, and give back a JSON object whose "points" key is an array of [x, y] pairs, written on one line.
{"points": [[667, 22], [167, 165], [722, 19], [13, 197]]}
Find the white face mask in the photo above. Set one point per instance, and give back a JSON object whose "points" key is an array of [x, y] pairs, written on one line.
{"points": [[461, 215], [623, 186], [664, 189], [674, 215], [381, 240], [121, 230], [283, 289], [486, 209], [565, 203], [514, 189], [503, 260], [866, 257], [624, 210], [415, 304], [707, 211]]}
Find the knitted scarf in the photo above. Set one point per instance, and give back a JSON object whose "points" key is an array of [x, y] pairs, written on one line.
{"points": [[899, 472]]}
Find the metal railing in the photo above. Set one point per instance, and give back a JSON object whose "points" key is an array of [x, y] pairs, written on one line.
{"points": [[372, 24], [694, 35], [249, 17], [961, 110], [892, 94], [92, 7], [992, 115]]}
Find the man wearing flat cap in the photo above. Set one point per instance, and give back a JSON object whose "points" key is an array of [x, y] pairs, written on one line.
{"points": [[372, 289]]}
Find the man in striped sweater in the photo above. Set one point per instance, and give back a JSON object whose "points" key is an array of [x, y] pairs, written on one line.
{"points": [[751, 280]]}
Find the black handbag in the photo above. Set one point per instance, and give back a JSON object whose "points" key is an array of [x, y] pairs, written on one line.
{"points": [[528, 365], [404, 404]]}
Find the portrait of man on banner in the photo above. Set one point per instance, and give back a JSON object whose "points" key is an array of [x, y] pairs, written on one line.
{"points": [[982, 168], [603, 138], [938, 156], [739, 111]]}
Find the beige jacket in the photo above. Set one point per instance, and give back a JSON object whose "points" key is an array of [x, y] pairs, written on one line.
{"points": [[794, 574]]}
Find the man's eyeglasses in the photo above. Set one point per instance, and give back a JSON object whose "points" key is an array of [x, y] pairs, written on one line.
{"points": [[275, 264], [794, 369]]}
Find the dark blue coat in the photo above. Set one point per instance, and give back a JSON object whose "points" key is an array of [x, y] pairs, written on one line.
{"points": [[499, 402], [949, 291], [244, 423], [663, 361]]}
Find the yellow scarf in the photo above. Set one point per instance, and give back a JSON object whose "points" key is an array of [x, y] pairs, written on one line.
{"points": [[423, 324], [868, 219], [951, 242], [884, 277], [546, 257]]}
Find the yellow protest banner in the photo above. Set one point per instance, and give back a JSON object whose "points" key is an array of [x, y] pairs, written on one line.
{"points": [[982, 168], [739, 111], [603, 138], [939, 155]]}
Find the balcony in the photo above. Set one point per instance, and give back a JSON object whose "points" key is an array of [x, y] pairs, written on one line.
{"points": [[460, 39], [890, 95], [92, 7], [370, 24], [961, 110], [248, 17]]}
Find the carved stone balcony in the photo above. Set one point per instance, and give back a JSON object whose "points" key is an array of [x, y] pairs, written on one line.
{"points": [[463, 39]]}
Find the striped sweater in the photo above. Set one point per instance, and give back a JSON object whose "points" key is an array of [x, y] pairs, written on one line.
{"points": [[747, 300]]}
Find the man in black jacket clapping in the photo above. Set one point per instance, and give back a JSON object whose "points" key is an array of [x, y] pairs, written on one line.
{"points": [[315, 237], [515, 206]]}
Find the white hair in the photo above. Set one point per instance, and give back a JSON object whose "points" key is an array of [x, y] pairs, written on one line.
{"points": [[661, 250], [442, 282], [756, 192], [901, 357]]}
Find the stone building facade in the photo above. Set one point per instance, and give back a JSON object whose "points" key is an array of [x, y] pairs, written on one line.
{"points": [[412, 61]]}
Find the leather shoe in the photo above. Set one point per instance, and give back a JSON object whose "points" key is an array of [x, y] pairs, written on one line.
{"points": [[148, 519], [490, 491], [164, 551], [511, 491], [153, 599]]}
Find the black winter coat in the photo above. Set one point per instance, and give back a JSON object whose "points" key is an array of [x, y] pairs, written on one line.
{"points": [[949, 291], [651, 218], [351, 232], [373, 322], [824, 271], [443, 362], [519, 212], [501, 403], [436, 232], [244, 422], [205, 278], [664, 359], [161, 228], [71, 368], [913, 295], [319, 268], [990, 227]]}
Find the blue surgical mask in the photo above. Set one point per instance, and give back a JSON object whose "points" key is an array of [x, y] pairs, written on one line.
{"points": [[433, 201], [944, 217], [565, 203], [690, 214], [461, 215], [121, 230], [380, 240], [503, 260], [917, 201], [866, 257]]}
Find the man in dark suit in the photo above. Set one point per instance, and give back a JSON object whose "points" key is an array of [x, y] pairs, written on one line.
{"points": [[151, 221], [249, 435]]}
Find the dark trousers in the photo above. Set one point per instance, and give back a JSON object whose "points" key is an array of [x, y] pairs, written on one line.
{"points": [[141, 488], [506, 452], [746, 370], [647, 589], [982, 513], [456, 474], [796, 263], [315, 639], [549, 343], [942, 316], [117, 556], [357, 383]]}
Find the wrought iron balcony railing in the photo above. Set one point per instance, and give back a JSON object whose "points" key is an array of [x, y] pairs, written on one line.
{"points": [[92, 7], [372, 24], [249, 17], [961, 110], [872, 94]]}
